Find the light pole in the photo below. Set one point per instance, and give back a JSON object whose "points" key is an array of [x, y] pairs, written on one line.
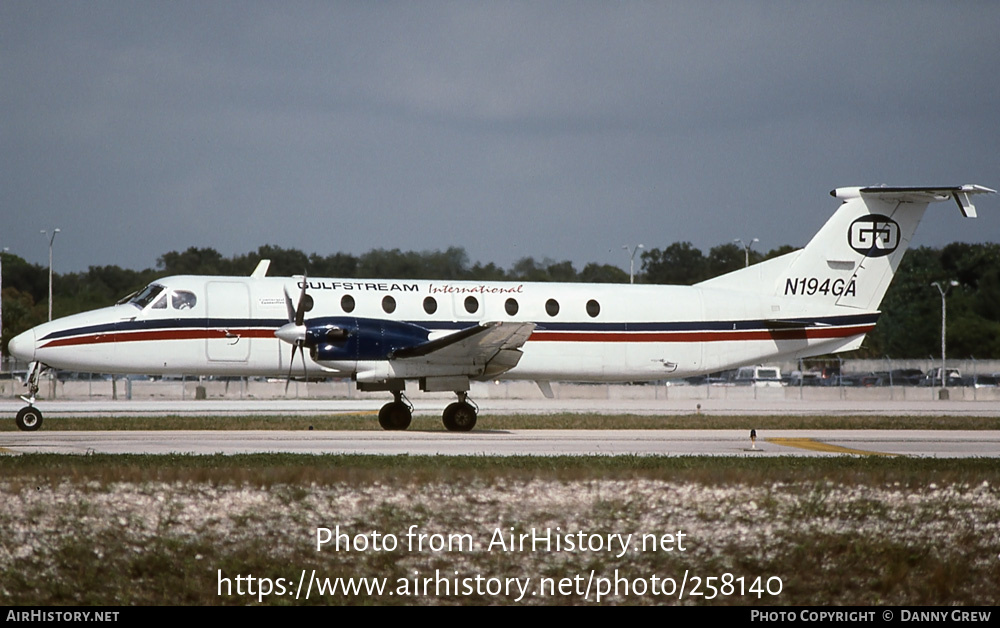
{"points": [[632, 250], [746, 248], [944, 291], [5, 249], [51, 240]]}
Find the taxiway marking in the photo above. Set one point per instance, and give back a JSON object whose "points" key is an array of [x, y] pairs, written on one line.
{"points": [[815, 445]]}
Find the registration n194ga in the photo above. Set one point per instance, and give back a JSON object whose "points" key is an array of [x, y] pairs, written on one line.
{"points": [[814, 285]]}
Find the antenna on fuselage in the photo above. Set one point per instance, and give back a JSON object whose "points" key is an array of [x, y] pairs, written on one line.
{"points": [[261, 270]]}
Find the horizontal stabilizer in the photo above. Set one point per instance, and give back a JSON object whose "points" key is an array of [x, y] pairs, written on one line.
{"points": [[960, 194]]}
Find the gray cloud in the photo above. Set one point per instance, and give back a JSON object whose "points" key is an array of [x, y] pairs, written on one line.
{"points": [[512, 129]]}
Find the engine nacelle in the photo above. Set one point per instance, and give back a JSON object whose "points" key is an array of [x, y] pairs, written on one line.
{"points": [[337, 339]]}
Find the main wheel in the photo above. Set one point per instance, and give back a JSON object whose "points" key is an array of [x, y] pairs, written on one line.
{"points": [[459, 417], [395, 415], [29, 419]]}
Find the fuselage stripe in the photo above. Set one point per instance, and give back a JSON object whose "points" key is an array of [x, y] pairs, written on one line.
{"points": [[536, 336], [163, 334], [702, 336]]}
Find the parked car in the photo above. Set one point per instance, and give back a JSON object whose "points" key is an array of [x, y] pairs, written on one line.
{"points": [[953, 377], [880, 378], [758, 376], [906, 377], [986, 381]]}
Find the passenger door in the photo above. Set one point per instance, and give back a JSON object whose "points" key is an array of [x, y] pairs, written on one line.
{"points": [[228, 318]]}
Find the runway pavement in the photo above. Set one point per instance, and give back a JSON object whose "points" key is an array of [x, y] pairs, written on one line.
{"points": [[433, 405], [942, 444], [513, 442]]}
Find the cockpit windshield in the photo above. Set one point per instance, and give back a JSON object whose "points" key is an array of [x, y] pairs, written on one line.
{"points": [[147, 296], [159, 296]]}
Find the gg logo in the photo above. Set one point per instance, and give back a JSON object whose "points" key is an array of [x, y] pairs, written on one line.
{"points": [[873, 236]]}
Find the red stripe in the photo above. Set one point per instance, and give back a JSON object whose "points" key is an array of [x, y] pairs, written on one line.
{"points": [[538, 336]]}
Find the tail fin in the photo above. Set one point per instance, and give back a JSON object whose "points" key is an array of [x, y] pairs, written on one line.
{"points": [[851, 260]]}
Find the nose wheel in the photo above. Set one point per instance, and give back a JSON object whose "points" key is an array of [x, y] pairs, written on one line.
{"points": [[461, 415], [29, 419]]}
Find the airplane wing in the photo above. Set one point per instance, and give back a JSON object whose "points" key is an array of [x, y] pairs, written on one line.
{"points": [[493, 347]]}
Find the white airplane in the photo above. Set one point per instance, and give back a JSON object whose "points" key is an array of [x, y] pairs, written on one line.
{"points": [[443, 334]]}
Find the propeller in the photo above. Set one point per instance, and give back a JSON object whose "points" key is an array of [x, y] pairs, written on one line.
{"points": [[294, 332]]}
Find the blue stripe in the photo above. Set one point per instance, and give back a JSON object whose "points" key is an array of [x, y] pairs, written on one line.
{"points": [[165, 324]]}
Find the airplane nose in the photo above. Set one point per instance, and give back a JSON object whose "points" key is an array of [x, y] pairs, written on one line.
{"points": [[22, 346]]}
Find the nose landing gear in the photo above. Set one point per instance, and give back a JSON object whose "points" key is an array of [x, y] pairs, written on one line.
{"points": [[29, 418]]}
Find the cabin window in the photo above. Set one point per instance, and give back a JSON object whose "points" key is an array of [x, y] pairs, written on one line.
{"points": [[347, 303], [430, 305], [183, 300], [593, 308], [511, 307], [551, 307], [388, 305], [471, 305]]}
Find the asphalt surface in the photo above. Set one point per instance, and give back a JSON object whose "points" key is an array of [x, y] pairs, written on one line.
{"points": [[483, 441], [947, 444], [433, 405]]}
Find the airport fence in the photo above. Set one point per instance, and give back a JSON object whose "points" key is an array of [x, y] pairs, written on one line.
{"points": [[819, 379]]}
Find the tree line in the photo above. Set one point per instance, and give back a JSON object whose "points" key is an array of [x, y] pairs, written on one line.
{"points": [[910, 325]]}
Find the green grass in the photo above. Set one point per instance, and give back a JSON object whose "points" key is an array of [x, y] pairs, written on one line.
{"points": [[301, 469]]}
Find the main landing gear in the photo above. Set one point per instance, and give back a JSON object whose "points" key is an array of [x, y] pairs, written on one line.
{"points": [[461, 415], [458, 417], [29, 418], [397, 414]]}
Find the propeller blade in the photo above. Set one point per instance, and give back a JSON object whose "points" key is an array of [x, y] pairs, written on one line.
{"points": [[296, 346], [300, 311], [291, 364], [289, 306], [294, 332], [305, 371]]}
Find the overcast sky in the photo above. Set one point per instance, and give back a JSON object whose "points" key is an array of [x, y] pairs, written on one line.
{"points": [[545, 129]]}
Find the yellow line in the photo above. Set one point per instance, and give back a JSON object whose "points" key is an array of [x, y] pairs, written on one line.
{"points": [[813, 445]]}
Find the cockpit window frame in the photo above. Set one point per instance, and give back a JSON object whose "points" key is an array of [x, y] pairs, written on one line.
{"points": [[148, 295]]}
